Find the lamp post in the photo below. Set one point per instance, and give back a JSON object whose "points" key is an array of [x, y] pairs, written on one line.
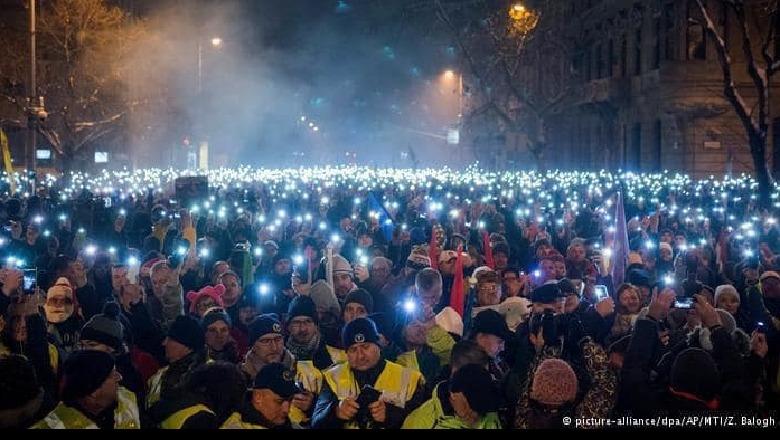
{"points": [[453, 137], [35, 110], [201, 146]]}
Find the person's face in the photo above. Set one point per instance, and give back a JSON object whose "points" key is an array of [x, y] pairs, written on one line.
{"points": [[414, 334], [770, 287], [447, 267], [560, 269], [363, 356], [246, 314], [429, 298], [680, 242], [648, 262], [571, 303], [302, 329], [556, 307], [101, 270], [511, 285], [32, 234], [106, 395], [204, 303], [501, 259], [232, 290], [283, 267], [665, 254], [548, 270], [629, 299], [365, 241], [159, 279], [269, 251], [577, 254], [174, 350], [488, 294], [119, 277], [58, 307], [269, 347], [217, 335], [77, 274], [665, 237], [271, 406], [219, 269], [380, 272], [354, 310], [492, 344], [342, 283], [728, 302]]}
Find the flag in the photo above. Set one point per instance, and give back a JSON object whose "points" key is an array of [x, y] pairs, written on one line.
{"points": [[456, 294], [9, 168], [621, 249], [385, 221], [489, 262]]}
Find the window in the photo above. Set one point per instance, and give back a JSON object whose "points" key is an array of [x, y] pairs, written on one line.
{"points": [[657, 138], [696, 44]]}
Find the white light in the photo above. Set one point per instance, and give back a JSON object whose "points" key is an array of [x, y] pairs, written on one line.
{"points": [[297, 260], [410, 306], [264, 289], [112, 250], [258, 252], [90, 250], [132, 261]]}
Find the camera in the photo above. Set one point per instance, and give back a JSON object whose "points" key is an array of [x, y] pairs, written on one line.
{"points": [[600, 292], [684, 302]]}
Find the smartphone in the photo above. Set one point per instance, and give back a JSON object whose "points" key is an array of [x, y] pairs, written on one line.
{"points": [[684, 302], [761, 327], [107, 202], [30, 281], [600, 292], [367, 396]]}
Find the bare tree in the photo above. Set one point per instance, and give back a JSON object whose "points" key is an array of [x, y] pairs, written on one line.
{"points": [[494, 40], [757, 25], [83, 54]]}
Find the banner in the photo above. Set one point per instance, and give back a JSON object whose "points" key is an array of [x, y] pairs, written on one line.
{"points": [[9, 167]]}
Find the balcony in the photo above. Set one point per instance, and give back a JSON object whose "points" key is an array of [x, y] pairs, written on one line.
{"points": [[604, 90]]}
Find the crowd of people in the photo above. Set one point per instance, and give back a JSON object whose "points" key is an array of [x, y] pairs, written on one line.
{"points": [[382, 298]]}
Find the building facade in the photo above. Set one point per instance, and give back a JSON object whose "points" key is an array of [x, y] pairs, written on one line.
{"points": [[645, 89]]}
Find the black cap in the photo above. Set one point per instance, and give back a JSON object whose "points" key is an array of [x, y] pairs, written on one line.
{"points": [[490, 322], [83, 372], [567, 287], [187, 331], [277, 378], [302, 305], [359, 330], [546, 293], [262, 325], [477, 384]]}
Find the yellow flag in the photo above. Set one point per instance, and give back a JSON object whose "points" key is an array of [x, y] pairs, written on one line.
{"points": [[9, 168]]}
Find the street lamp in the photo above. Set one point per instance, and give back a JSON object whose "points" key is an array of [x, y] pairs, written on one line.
{"points": [[523, 18], [216, 42], [35, 109]]}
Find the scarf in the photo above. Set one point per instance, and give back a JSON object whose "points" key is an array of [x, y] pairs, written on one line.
{"points": [[304, 351]]}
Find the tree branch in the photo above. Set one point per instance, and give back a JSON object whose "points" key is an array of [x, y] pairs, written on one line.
{"points": [[759, 80], [729, 86]]}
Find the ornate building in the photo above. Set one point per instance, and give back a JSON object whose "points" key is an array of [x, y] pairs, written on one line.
{"points": [[644, 89]]}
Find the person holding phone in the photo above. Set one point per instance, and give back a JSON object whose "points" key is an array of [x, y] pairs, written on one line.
{"points": [[389, 392]]}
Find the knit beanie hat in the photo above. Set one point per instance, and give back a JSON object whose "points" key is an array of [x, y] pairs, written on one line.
{"points": [[106, 328], [213, 315], [476, 383], [546, 293], [18, 383], [727, 320], [187, 331], [490, 322], [362, 297], [83, 372], [341, 265], [214, 292], [324, 298], [359, 330], [302, 306], [554, 383], [695, 372], [263, 325]]}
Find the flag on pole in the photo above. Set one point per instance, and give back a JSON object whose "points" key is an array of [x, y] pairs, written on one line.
{"points": [[385, 221], [9, 168], [621, 249], [456, 294]]}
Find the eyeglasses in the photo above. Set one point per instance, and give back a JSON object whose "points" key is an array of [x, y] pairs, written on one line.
{"points": [[205, 305], [488, 288], [302, 323], [59, 301], [276, 340]]}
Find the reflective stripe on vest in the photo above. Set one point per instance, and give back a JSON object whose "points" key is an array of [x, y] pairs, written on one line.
{"points": [[396, 383], [177, 419], [236, 422], [65, 417], [337, 355], [126, 414], [155, 385], [408, 359]]}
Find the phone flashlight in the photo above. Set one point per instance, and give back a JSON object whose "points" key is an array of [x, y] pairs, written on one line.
{"points": [[263, 289], [410, 306]]}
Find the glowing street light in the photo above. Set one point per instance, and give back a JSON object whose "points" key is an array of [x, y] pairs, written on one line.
{"points": [[524, 19], [216, 41]]}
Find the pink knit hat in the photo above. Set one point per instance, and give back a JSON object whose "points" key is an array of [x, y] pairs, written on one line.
{"points": [[215, 292], [554, 383]]}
